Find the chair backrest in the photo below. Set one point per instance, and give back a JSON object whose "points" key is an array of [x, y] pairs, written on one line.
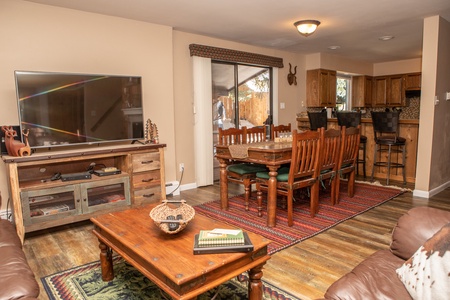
{"points": [[348, 118], [385, 124], [232, 136], [330, 149], [275, 131], [305, 161], [317, 120], [256, 134], [349, 146]]}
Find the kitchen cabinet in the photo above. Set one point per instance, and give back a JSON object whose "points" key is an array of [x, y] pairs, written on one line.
{"points": [[321, 88], [413, 81], [388, 91], [362, 91]]}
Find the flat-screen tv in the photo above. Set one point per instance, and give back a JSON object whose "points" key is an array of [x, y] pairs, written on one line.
{"points": [[58, 109]]}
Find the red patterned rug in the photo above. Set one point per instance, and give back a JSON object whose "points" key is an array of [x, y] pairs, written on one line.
{"points": [[366, 197]]}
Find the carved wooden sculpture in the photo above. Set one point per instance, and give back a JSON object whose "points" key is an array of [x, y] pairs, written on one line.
{"points": [[292, 79], [13, 146]]}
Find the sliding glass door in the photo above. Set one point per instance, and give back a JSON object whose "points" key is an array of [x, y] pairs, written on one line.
{"points": [[242, 96]]}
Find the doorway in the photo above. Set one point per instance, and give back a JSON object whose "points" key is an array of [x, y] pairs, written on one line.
{"points": [[241, 96]]}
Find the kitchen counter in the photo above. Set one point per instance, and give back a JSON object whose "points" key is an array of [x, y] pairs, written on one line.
{"points": [[409, 129]]}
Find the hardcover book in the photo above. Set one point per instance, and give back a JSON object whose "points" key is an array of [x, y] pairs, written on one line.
{"points": [[247, 246], [221, 237]]}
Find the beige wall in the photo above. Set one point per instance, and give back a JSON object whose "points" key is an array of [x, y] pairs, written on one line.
{"points": [[46, 38], [398, 67], [434, 141]]}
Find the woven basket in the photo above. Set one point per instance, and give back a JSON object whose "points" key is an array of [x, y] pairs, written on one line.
{"points": [[160, 213]]}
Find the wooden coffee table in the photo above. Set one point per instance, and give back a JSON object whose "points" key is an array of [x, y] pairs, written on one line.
{"points": [[168, 260]]}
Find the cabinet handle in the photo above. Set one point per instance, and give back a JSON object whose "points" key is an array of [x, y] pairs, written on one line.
{"points": [[147, 180], [146, 162], [84, 199], [149, 195], [78, 200]]}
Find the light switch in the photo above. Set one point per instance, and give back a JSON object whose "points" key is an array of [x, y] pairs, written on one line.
{"points": [[447, 96], [282, 106]]}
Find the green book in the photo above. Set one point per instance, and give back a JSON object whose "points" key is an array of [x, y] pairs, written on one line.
{"points": [[221, 237]]}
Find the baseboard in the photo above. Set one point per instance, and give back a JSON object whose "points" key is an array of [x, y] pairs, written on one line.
{"points": [[431, 193], [189, 186]]}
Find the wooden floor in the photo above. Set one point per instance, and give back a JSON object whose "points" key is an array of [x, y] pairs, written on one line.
{"points": [[306, 269]]}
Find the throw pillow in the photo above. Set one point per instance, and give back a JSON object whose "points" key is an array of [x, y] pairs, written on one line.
{"points": [[426, 275]]}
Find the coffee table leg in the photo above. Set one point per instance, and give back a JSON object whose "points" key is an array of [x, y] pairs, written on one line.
{"points": [[255, 286], [106, 262]]}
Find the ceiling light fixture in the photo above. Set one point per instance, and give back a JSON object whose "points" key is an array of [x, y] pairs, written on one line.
{"points": [[386, 37], [334, 47], [306, 27]]}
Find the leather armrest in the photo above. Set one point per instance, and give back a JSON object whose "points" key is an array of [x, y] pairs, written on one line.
{"points": [[415, 227]]}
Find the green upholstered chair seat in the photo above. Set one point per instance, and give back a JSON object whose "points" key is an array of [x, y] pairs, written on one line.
{"points": [[283, 174], [243, 169]]}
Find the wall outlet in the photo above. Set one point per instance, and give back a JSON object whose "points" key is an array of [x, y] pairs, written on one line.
{"points": [[447, 96], [181, 167]]}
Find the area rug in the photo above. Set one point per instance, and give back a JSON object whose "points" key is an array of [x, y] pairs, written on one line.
{"points": [[282, 236], [85, 282]]}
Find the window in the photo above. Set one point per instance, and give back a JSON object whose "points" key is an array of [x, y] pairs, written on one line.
{"points": [[343, 89]]}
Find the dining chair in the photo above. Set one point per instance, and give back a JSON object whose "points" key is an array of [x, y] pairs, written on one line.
{"points": [[387, 139], [317, 120], [276, 130], [303, 172], [350, 139], [330, 152], [353, 119], [256, 134], [242, 173]]}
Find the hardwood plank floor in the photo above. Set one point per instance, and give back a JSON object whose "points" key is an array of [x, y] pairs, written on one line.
{"points": [[306, 269]]}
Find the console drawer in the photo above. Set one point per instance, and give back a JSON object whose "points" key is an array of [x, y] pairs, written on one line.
{"points": [[146, 162], [150, 195], [146, 179]]}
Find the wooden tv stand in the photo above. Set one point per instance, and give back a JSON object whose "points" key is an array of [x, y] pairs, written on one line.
{"points": [[39, 202]]}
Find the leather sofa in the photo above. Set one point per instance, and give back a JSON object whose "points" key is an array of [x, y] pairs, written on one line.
{"points": [[376, 277], [17, 281]]}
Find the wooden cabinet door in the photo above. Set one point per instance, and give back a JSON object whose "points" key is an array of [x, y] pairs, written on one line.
{"points": [[396, 89], [379, 93], [362, 91], [321, 88], [413, 81]]}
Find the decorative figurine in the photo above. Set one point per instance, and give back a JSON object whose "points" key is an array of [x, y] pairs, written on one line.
{"points": [[151, 133], [13, 146]]}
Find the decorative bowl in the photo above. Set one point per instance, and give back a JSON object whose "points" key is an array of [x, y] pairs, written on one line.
{"points": [[172, 218]]}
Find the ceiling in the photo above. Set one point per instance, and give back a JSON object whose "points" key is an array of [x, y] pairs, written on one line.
{"points": [[353, 25]]}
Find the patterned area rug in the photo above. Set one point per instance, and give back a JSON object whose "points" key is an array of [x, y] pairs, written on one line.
{"points": [[85, 282], [366, 197]]}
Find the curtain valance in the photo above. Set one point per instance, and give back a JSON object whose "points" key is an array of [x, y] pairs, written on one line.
{"points": [[235, 56]]}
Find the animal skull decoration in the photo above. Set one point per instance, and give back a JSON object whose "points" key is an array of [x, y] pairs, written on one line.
{"points": [[292, 79]]}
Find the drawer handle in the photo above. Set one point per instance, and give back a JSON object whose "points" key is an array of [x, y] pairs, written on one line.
{"points": [[146, 162], [147, 180], [149, 195]]}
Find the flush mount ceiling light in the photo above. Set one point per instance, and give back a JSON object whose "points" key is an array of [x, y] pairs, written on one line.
{"points": [[306, 27], [386, 37]]}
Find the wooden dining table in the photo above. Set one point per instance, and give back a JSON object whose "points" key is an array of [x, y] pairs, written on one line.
{"points": [[272, 154]]}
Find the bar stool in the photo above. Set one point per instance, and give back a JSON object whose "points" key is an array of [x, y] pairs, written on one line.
{"points": [[353, 119], [385, 128], [317, 120]]}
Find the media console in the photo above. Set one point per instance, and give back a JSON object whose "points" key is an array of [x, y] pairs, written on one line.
{"points": [[39, 202]]}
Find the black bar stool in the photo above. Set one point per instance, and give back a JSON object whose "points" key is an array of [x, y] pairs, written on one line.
{"points": [[386, 130], [317, 120], [353, 119]]}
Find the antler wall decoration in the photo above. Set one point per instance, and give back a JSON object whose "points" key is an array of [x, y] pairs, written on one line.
{"points": [[292, 79]]}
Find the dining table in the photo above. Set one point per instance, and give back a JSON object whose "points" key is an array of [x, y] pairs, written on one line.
{"points": [[270, 153]]}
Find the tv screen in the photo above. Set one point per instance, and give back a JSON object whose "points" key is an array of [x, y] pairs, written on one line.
{"points": [[60, 109]]}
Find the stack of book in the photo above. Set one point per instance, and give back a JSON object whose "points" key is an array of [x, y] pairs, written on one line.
{"points": [[222, 241]]}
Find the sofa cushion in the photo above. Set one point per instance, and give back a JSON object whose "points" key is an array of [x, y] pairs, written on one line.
{"points": [[426, 275], [415, 227], [373, 279], [16, 278]]}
